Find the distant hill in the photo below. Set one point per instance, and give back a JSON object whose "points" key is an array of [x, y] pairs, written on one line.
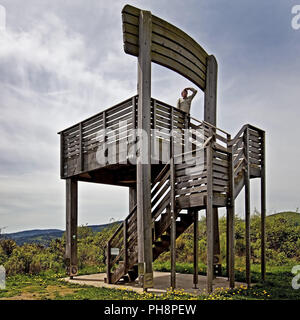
{"points": [[44, 236], [288, 215]]}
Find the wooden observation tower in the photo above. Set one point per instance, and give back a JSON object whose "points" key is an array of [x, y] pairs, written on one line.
{"points": [[172, 164]]}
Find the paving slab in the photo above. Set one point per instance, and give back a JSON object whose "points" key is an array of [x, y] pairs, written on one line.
{"points": [[161, 283]]}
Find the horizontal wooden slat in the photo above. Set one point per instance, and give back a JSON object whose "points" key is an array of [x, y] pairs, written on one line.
{"points": [[191, 190]]}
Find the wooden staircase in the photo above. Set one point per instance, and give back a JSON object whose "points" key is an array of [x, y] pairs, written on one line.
{"points": [[244, 154]]}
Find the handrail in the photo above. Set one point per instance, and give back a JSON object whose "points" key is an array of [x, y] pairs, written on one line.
{"points": [[97, 114], [250, 126], [121, 224], [192, 151], [237, 136], [209, 124]]}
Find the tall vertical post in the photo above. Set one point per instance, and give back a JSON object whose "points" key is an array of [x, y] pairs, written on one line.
{"points": [[217, 249], [263, 207], [196, 251], [230, 220], [210, 93], [210, 221], [230, 159], [71, 225], [227, 242], [108, 262], [210, 116], [144, 219], [247, 206], [173, 207]]}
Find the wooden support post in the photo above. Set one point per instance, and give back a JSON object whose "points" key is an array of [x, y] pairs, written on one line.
{"points": [[227, 216], [125, 244], [227, 244], [71, 224], [230, 221], [263, 207], [210, 116], [210, 93], [173, 209], [108, 262], [217, 249], [173, 227], [210, 221], [144, 219], [196, 251], [247, 207]]}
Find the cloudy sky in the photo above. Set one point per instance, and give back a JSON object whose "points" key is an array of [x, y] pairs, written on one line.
{"points": [[63, 61]]}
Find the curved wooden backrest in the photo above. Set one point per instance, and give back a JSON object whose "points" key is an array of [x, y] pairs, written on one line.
{"points": [[170, 47]]}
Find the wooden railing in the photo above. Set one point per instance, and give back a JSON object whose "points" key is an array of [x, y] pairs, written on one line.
{"points": [[247, 147], [109, 128], [124, 240]]}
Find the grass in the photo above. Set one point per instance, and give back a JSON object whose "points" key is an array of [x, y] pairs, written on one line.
{"points": [[49, 286]]}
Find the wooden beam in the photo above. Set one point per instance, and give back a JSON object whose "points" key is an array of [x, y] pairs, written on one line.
{"points": [[247, 206], [216, 243], [144, 219], [263, 207], [209, 220], [210, 116], [230, 212], [196, 251], [210, 96], [71, 224], [125, 244], [173, 210], [108, 262]]}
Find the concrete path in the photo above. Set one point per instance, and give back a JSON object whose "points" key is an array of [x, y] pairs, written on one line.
{"points": [[161, 282]]}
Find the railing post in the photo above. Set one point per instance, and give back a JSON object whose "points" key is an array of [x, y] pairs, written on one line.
{"points": [[108, 266], [80, 148], [62, 155], [104, 137], [247, 205]]}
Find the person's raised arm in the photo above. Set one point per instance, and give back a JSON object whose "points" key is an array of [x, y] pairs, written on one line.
{"points": [[194, 92]]}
